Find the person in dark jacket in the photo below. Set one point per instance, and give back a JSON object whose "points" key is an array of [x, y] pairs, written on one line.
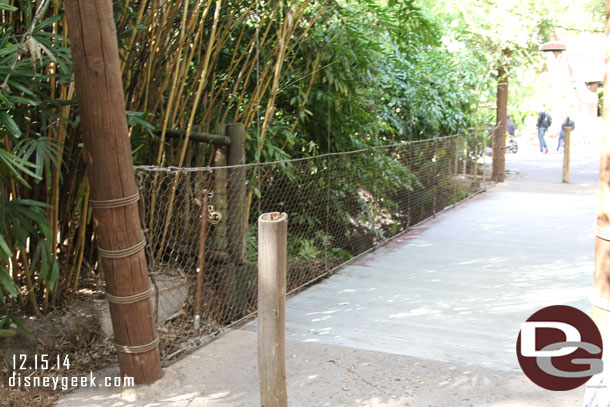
{"points": [[566, 123], [543, 124], [510, 127]]}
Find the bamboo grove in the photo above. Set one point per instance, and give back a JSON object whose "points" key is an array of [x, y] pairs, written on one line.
{"points": [[303, 76]]}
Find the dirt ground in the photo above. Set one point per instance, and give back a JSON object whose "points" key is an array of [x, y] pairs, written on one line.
{"points": [[72, 334]]}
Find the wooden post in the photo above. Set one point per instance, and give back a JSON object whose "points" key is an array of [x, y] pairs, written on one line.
{"points": [[113, 188], [465, 155], [475, 163], [272, 236], [236, 221], [221, 194], [457, 156], [436, 176], [456, 165], [203, 228], [484, 158], [498, 162], [237, 191], [566, 155]]}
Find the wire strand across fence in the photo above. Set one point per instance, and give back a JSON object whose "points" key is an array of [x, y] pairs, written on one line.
{"points": [[339, 205]]}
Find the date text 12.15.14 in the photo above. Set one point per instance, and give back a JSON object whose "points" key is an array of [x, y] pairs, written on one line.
{"points": [[43, 362]]}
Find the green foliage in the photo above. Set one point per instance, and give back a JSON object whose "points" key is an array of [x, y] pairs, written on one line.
{"points": [[460, 195], [382, 77], [7, 331], [302, 249], [28, 153], [252, 243], [142, 136], [366, 73]]}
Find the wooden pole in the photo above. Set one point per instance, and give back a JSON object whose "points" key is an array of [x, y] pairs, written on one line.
{"points": [[272, 236], [203, 229], [465, 156], [566, 155], [217, 139], [237, 191], [238, 280], [220, 197], [113, 188], [498, 163], [475, 169], [436, 177]]}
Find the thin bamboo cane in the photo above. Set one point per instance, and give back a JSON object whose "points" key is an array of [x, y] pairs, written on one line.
{"points": [[172, 93], [30, 287], [184, 74], [81, 239], [189, 129], [168, 119], [133, 34], [56, 171], [84, 187], [25, 262], [283, 37]]}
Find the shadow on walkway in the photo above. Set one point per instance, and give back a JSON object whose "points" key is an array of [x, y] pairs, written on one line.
{"points": [[430, 319]]}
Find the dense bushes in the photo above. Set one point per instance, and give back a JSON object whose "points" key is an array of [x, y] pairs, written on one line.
{"points": [[307, 78]]}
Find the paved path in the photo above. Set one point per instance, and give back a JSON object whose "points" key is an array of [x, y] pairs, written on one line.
{"points": [[431, 319], [458, 287]]}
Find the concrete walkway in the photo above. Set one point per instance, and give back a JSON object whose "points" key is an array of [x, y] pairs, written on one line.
{"points": [[430, 319]]}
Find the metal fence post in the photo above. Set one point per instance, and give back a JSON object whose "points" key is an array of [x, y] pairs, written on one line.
{"points": [[203, 225], [272, 242]]}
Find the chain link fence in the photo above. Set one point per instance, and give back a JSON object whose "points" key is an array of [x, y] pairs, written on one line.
{"points": [[339, 206]]}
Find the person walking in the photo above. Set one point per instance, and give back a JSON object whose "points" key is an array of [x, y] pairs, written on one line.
{"points": [[543, 124], [566, 123], [510, 127]]}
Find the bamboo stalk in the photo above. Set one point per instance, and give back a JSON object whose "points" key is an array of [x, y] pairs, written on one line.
{"points": [[82, 228], [30, 287], [169, 117], [133, 34], [270, 103], [189, 129], [81, 240]]}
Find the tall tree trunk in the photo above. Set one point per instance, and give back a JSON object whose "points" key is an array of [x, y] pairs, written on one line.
{"points": [[104, 129], [499, 142]]}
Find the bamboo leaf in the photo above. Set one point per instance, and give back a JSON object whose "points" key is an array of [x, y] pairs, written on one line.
{"points": [[54, 274], [14, 165], [19, 324], [6, 333], [7, 282], [5, 6], [10, 124], [4, 247]]}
